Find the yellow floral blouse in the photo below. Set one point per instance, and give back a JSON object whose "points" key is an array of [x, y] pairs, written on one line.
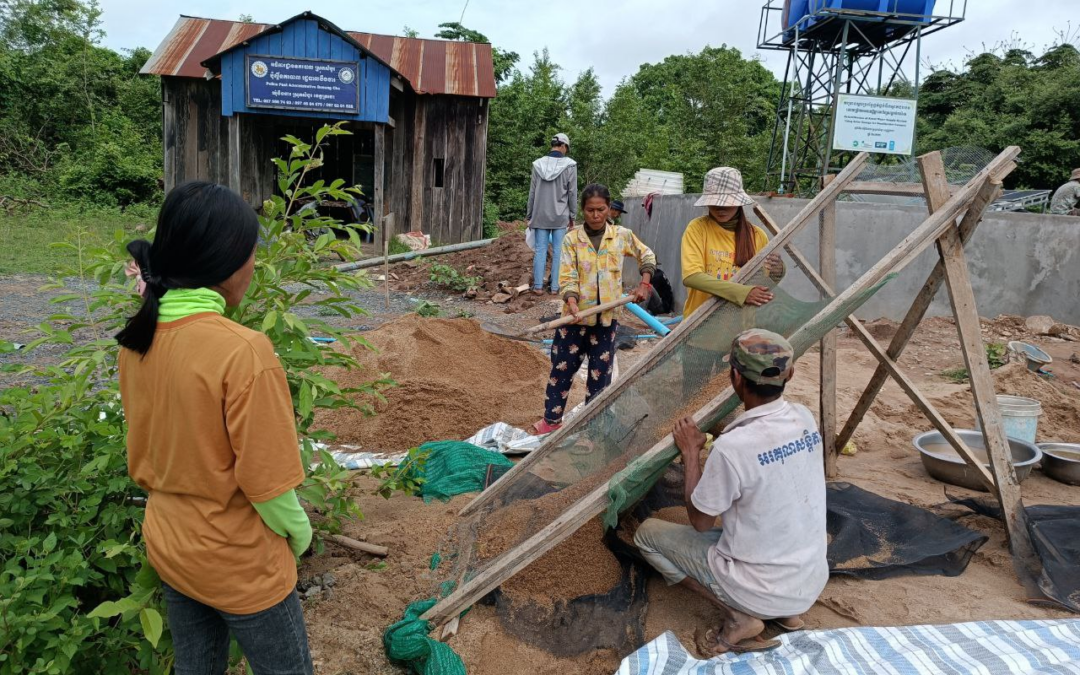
{"points": [[595, 277]]}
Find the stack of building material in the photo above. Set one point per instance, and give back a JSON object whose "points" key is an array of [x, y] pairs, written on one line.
{"points": [[648, 181]]}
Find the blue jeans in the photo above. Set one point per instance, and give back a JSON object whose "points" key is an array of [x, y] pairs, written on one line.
{"points": [[274, 641], [554, 238]]}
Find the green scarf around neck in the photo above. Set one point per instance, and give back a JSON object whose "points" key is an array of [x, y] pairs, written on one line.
{"points": [[730, 225], [182, 302]]}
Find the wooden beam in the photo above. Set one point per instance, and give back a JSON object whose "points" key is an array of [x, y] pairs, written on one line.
{"points": [[674, 338], [889, 189], [827, 369], [235, 154], [966, 313], [888, 365], [379, 180], [926, 295]]}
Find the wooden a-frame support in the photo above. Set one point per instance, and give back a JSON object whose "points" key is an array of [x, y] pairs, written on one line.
{"points": [[974, 198]]}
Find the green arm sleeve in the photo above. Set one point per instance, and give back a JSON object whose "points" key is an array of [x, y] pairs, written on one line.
{"points": [[284, 515], [728, 290]]}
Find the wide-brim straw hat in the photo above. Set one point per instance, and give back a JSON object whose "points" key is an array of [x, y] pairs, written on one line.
{"points": [[724, 187], [1075, 175]]}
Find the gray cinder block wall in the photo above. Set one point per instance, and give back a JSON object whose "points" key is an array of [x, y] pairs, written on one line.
{"points": [[1022, 264]]}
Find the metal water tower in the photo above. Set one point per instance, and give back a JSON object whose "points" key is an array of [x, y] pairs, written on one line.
{"points": [[839, 47]]}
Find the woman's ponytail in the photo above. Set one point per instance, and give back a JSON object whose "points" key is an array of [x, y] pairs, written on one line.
{"points": [[745, 249], [138, 333]]}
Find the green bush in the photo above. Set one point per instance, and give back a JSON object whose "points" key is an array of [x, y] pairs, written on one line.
{"points": [[75, 592], [491, 219], [446, 276]]}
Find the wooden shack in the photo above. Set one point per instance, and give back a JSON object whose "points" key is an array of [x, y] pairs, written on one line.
{"points": [[417, 109]]}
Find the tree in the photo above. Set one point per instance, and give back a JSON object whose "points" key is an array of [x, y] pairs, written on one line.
{"points": [[75, 117], [1009, 97]]}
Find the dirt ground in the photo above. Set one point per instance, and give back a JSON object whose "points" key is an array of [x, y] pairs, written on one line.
{"points": [[346, 627]]}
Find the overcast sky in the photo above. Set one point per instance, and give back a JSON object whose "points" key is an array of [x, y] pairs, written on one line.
{"points": [[610, 36]]}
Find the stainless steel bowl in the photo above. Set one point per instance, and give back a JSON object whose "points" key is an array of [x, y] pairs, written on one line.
{"points": [[1061, 461], [942, 462]]}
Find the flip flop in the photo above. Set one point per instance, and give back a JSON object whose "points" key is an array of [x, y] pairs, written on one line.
{"points": [[785, 628], [712, 640], [543, 427]]}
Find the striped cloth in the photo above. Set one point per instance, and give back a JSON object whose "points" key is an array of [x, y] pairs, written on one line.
{"points": [[982, 648]]}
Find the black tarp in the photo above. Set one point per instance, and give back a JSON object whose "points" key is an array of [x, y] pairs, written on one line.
{"points": [[1055, 534]]}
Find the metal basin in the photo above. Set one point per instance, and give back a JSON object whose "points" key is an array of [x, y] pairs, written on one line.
{"points": [[1061, 461], [944, 464]]}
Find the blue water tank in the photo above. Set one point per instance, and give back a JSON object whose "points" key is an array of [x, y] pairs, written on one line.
{"points": [[797, 9]]}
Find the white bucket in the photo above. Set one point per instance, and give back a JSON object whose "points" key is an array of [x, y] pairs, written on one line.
{"points": [[1020, 415]]}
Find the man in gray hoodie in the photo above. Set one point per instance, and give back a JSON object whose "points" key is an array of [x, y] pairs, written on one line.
{"points": [[552, 208]]}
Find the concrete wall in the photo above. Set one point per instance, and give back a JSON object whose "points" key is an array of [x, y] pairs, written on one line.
{"points": [[1023, 264]]}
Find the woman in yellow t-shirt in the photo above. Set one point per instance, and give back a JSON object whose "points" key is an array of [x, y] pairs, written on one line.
{"points": [[715, 246], [212, 440]]}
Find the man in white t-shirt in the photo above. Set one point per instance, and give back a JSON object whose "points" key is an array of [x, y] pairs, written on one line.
{"points": [[765, 478]]}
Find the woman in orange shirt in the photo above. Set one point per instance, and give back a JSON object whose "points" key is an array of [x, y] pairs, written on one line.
{"points": [[212, 440]]}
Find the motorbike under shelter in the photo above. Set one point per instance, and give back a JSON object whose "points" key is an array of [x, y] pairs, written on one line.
{"points": [[417, 110]]}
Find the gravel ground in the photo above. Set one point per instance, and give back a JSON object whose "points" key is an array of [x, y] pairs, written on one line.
{"points": [[23, 305]]}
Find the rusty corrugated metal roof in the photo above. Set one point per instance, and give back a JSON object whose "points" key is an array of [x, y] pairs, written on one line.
{"points": [[430, 66]]}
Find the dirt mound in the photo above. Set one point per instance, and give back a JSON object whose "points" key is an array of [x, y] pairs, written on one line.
{"points": [[454, 378], [1060, 420], [507, 260]]}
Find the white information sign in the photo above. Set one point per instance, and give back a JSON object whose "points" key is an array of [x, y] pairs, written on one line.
{"points": [[874, 124]]}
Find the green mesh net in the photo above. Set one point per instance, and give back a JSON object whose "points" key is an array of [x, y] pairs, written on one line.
{"points": [[407, 644], [454, 468], [617, 445]]}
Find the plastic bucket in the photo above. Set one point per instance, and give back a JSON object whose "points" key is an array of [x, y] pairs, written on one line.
{"points": [[1020, 415]]}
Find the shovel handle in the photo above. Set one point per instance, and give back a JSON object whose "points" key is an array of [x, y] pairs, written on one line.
{"points": [[567, 320]]}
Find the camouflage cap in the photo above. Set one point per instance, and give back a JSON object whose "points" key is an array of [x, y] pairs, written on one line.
{"points": [[762, 356]]}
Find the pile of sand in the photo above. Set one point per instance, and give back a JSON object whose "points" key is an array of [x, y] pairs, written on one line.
{"points": [[454, 378]]}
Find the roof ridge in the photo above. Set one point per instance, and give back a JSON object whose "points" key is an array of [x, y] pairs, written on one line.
{"points": [[347, 30]]}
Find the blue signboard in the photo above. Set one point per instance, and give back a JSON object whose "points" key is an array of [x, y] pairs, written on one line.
{"points": [[302, 84]]}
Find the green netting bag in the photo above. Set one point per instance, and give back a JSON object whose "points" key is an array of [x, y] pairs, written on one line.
{"points": [[407, 644], [453, 468]]}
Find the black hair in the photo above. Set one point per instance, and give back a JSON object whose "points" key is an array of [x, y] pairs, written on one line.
{"points": [[205, 233], [595, 190], [766, 392]]}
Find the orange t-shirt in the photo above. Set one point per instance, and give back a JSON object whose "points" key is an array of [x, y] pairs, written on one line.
{"points": [[210, 431]]}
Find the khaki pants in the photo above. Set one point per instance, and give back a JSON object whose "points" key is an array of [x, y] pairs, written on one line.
{"points": [[680, 551]]}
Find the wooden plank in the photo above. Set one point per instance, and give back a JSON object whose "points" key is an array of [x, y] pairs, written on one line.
{"points": [[890, 189], [380, 169], [169, 95], [966, 313], [234, 153], [418, 185], [971, 220], [516, 559], [891, 368], [676, 336], [827, 367]]}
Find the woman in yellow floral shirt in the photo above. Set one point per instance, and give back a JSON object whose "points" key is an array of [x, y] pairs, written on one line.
{"points": [[590, 274]]}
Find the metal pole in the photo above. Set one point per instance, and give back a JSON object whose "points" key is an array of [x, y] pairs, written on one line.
{"points": [[841, 57], [402, 257], [793, 59], [918, 73]]}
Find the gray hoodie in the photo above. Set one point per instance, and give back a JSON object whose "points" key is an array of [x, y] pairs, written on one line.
{"points": [[552, 193]]}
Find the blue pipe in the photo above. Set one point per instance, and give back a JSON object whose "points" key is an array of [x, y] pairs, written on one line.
{"points": [[650, 320], [672, 321]]}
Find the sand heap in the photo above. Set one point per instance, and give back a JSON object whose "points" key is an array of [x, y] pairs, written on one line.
{"points": [[1060, 421], [454, 378]]}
